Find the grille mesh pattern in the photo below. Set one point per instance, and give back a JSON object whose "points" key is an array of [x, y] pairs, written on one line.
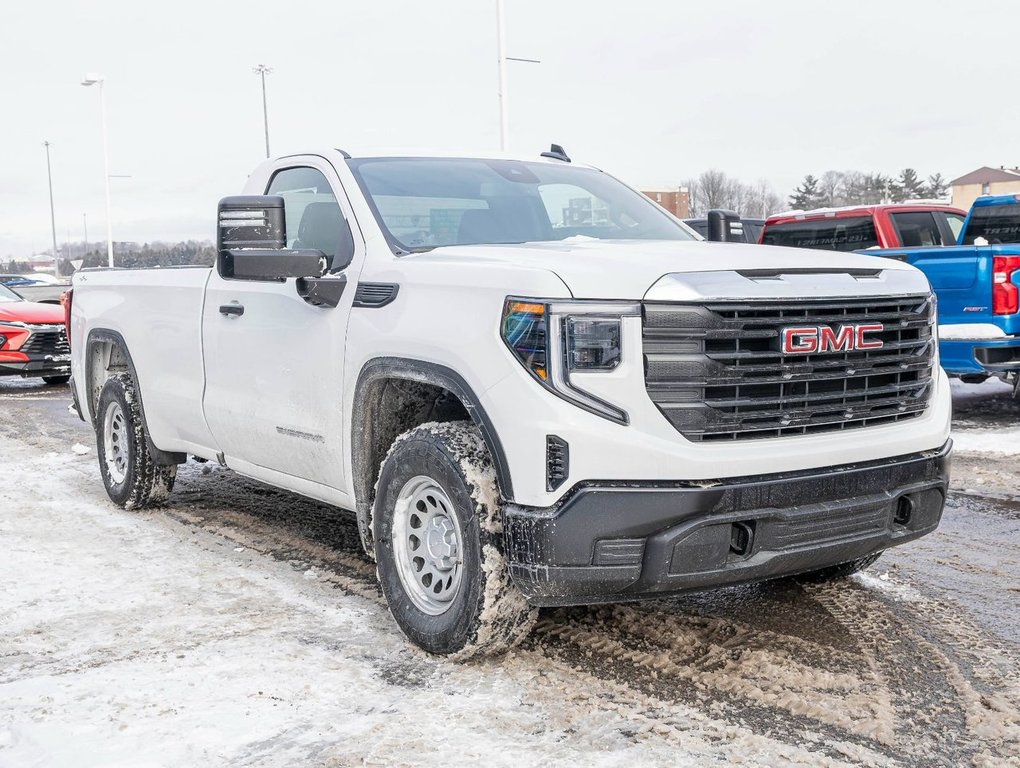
{"points": [[717, 371], [49, 342]]}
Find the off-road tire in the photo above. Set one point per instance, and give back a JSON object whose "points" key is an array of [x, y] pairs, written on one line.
{"points": [[145, 483], [487, 615], [54, 380], [842, 570]]}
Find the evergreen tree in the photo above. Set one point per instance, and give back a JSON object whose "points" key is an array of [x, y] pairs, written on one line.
{"points": [[938, 187], [908, 186], [806, 196]]}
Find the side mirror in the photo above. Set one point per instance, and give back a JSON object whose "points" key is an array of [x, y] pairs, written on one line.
{"points": [[251, 221], [252, 242], [725, 226]]}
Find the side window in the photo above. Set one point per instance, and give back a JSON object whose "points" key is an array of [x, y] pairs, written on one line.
{"points": [[954, 222], [311, 211], [917, 228]]}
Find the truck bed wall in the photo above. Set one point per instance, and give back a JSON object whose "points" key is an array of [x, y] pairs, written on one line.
{"points": [[158, 312]]}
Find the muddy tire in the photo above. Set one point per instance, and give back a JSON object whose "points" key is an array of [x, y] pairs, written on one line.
{"points": [[841, 571], [437, 526], [53, 380], [131, 476]]}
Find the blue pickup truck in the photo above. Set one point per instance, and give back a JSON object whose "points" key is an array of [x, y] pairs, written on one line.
{"points": [[976, 279], [976, 282]]}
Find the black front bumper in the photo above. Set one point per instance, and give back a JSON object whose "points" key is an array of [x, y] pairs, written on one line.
{"points": [[610, 542], [40, 367]]}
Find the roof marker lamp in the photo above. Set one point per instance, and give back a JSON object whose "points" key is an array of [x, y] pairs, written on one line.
{"points": [[552, 340]]}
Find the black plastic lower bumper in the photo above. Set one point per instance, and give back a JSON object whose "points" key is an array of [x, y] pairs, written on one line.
{"points": [[36, 368], [628, 541]]}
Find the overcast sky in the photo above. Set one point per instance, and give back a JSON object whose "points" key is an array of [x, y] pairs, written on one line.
{"points": [[654, 91]]}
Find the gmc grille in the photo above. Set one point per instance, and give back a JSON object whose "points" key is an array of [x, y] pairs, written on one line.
{"points": [[47, 341], [717, 372]]}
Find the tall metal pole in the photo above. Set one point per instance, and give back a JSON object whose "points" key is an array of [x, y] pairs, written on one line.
{"points": [[53, 218], [262, 70], [85, 227], [106, 177], [504, 129]]}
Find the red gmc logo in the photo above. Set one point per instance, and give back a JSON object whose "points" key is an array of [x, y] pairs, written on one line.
{"points": [[821, 338]]}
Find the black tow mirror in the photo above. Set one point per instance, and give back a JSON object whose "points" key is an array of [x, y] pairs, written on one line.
{"points": [[276, 264], [252, 242], [251, 221], [725, 226]]}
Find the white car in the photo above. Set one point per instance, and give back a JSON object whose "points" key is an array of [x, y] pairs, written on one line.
{"points": [[530, 384]]}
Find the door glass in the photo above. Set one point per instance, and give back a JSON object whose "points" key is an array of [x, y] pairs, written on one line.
{"points": [[311, 211], [916, 228], [955, 223]]}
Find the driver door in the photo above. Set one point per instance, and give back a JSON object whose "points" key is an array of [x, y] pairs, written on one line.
{"points": [[273, 362]]}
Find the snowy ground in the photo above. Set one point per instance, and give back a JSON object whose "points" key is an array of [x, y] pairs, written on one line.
{"points": [[242, 626]]}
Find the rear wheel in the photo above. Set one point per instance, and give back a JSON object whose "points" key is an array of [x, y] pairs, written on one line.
{"points": [[842, 570], [131, 476], [438, 536], [53, 380]]}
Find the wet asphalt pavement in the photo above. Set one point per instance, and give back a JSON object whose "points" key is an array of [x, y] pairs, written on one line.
{"points": [[915, 662]]}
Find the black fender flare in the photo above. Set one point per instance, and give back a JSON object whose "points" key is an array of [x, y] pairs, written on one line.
{"points": [[427, 373], [105, 335]]}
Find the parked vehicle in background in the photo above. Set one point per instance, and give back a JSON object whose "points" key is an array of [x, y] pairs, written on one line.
{"points": [[33, 339], [995, 220], [865, 226], [531, 384], [31, 289], [975, 281]]}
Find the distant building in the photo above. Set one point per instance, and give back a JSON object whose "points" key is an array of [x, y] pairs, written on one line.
{"points": [[985, 181], [676, 200]]}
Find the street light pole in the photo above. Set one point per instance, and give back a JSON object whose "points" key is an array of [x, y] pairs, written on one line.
{"points": [[262, 70], [501, 49], [53, 218], [504, 117], [94, 79]]}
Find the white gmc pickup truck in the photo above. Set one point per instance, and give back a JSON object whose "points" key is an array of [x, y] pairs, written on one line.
{"points": [[530, 384]]}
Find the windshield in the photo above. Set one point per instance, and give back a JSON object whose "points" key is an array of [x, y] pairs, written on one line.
{"points": [[423, 203], [995, 223], [6, 294], [850, 234]]}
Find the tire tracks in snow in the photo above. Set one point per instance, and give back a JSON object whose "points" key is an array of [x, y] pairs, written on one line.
{"points": [[852, 681]]}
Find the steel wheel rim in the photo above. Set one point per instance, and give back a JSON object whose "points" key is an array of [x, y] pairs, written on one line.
{"points": [[115, 443], [428, 545]]}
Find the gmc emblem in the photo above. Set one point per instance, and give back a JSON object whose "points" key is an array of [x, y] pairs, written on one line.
{"points": [[815, 339]]}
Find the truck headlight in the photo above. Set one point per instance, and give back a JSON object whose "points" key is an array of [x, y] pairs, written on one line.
{"points": [[554, 339]]}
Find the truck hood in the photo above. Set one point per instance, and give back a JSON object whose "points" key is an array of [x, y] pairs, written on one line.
{"points": [[30, 312], [627, 269]]}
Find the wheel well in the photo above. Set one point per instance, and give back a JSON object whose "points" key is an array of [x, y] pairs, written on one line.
{"points": [[387, 407], [106, 354], [105, 357]]}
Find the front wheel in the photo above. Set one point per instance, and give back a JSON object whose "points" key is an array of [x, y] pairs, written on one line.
{"points": [[438, 543], [132, 477], [53, 380]]}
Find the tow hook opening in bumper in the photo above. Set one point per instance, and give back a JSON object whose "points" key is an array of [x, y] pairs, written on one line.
{"points": [[904, 511], [742, 538]]}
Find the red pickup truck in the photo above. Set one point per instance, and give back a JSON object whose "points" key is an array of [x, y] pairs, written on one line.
{"points": [[865, 226]]}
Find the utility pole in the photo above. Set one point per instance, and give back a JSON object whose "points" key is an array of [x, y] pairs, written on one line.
{"points": [[85, 226], [53, 218], [262, 70]]}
